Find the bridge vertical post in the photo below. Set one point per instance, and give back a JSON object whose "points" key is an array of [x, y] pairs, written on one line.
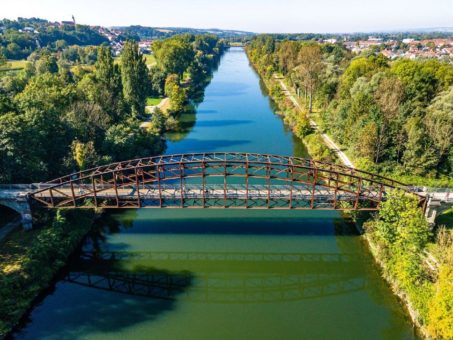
{"points": [[315, 179], [158, 185], [73, 194], [203, 181], [381, 191], [181, 173], [336, 190], [291, 170], [359, 188], [247, 183], [268, 179], [224, 184], [137, 184], [116, 189], [93, 183], [51, 198]]}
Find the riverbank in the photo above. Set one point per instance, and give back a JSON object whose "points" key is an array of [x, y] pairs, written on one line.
{"points": [[29, 260], [319, 145]]}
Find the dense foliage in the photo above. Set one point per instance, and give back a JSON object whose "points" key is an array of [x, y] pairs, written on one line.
{"points": [[29, 260], [400, 236], [18, 39], [392, 116], [184, 66], [54, 119]]}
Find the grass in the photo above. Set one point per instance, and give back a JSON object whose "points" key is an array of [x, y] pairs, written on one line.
{"points": [[150, 59], [14, 65], [150, 101]]}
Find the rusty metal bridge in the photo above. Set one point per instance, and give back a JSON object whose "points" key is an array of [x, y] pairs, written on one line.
{"points": [[218, 180]]}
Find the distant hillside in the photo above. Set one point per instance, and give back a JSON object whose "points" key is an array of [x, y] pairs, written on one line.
{"points": [[19, 38], [143, 32]]}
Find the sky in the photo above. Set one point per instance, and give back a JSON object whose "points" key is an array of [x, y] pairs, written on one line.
{"points": [[260, 16]]}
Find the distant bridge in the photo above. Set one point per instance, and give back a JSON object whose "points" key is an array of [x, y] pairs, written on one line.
{"points": [[214, 180]]}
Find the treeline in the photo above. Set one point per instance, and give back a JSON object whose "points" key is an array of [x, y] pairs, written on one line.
{"points": [[138, 32], [393, 117], [385, 36], [19, 39], [56, 118], [184, 67]]}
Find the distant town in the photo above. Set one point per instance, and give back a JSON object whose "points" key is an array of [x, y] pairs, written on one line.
{"points": [[412, 45]]}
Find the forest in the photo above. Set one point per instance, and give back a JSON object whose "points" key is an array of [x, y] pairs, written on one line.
{"points": [[392, 117], [59, 115]]}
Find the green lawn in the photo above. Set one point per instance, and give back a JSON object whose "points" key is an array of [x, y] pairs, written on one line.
{"points": [[14, 65], [150, 59], [150, 101]]}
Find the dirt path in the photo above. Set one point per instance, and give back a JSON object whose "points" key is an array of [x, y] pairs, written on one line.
{"points": [[327, 140]]}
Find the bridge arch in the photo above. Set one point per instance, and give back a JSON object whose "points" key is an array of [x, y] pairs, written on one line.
{"points": [[22, 208], [218, 180]]}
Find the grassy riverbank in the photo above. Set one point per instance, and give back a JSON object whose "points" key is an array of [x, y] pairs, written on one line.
{"points": [[416, 261], [29, 260]]}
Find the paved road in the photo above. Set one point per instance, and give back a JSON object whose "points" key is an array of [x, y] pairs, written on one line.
{"points": [[329, 142]]}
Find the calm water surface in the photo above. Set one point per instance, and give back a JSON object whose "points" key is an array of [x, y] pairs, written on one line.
{"points": [[223, 274]]}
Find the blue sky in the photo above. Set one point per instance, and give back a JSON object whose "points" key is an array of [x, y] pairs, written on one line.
{"points": [[252, 15]]}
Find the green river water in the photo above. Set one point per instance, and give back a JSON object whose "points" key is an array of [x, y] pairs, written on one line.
{"points": [[223, 274]]}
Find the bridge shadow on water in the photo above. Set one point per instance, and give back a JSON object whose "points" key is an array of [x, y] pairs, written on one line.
{"points": [[231, 221], [198, 145]]}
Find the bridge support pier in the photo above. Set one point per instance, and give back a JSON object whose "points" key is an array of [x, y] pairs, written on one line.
{"points": [[434, 207], [23, 208]]}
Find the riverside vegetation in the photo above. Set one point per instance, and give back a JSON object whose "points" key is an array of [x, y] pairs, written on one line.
{"points": [[392, 117], [59, 115], [395, 118]]}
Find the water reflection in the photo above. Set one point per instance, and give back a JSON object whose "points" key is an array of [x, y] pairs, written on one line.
{"points": [[221, 277]]}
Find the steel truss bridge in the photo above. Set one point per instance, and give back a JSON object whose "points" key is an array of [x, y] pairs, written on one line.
{"points": [[219, 180]]}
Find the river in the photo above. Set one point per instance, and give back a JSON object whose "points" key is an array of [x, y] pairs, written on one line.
{"points": [[223, 274]]}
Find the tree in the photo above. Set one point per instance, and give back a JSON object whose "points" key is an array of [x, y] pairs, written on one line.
{"points": [[3, 60], [134, 76], [47, 63], [418, 157], [84, 154], [173, 55], [388, 95], [108, 91], [175, 92], [310, 67], [439, 123]]}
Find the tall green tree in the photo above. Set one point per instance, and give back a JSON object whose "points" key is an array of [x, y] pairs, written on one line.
{"points": [[109, 90], [310, 68], [134, 76]]}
